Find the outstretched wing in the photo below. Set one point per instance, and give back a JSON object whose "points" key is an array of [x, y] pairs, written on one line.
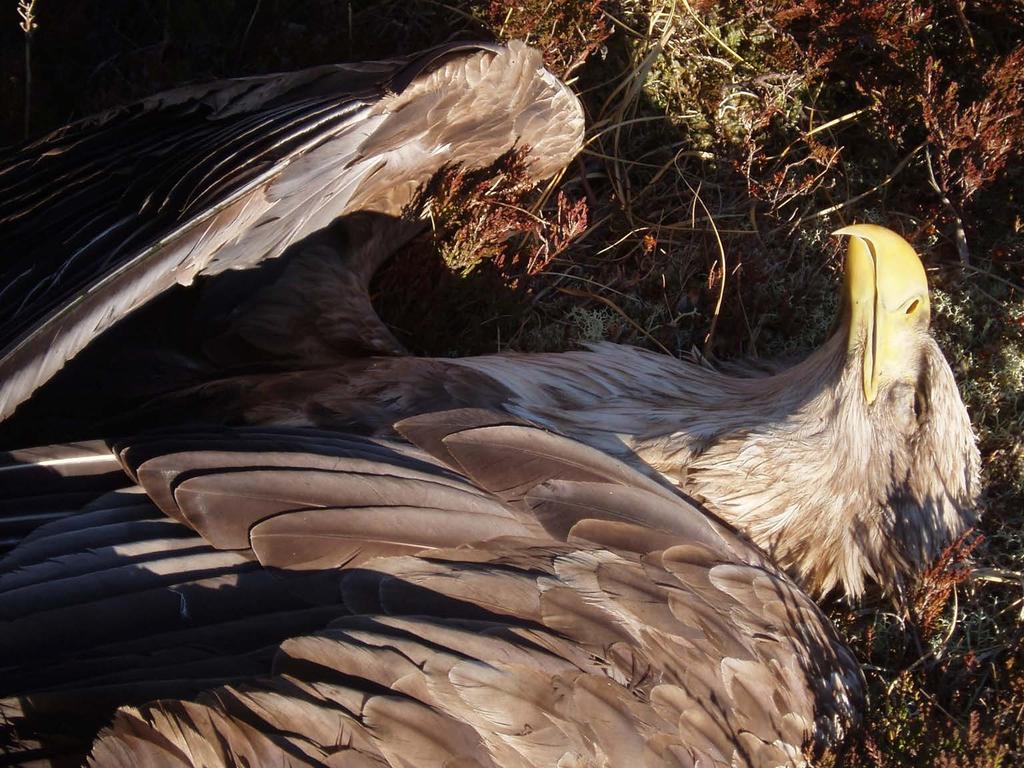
{"points": [[492, 595], [99, 217]]}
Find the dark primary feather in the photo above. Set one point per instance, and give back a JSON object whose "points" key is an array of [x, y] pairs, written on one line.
{"points": [[518, 614], [117, 188], [28, 499], [117, 209]]}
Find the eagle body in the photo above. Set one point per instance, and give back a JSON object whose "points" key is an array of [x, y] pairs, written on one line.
{"points": [[325, 551], [832, 489]]}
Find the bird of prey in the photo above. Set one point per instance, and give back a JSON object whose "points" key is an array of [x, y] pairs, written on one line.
{"points": [[588, 558]]}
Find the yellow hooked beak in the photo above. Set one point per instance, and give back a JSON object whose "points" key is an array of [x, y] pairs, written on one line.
{"points": [[887, 292]]}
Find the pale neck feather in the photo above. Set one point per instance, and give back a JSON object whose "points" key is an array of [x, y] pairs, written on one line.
{"points": [[835, 491]]}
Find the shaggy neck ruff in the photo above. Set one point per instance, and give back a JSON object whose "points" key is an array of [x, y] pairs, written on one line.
{"points": [[835, 490]]}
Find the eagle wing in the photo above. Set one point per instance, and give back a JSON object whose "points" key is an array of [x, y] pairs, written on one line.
{"points": [[103, 215], [482, 593]]}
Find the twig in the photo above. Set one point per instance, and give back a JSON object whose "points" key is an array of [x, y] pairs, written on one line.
{"points": [[248, 29], [997, 278], [631, 87], [743, 311], [582, 279], [998, 575], [639, 164], [857, 198], [952, 627], [824, 127], [838, 120], [27, 12], [960, 236], [722, 265], [622, 239], [628, 93], [711, 34], [964, 26], [621, 124]]}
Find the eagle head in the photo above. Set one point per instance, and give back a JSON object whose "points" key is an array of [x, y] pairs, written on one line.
{"points": [[858, 464]]}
